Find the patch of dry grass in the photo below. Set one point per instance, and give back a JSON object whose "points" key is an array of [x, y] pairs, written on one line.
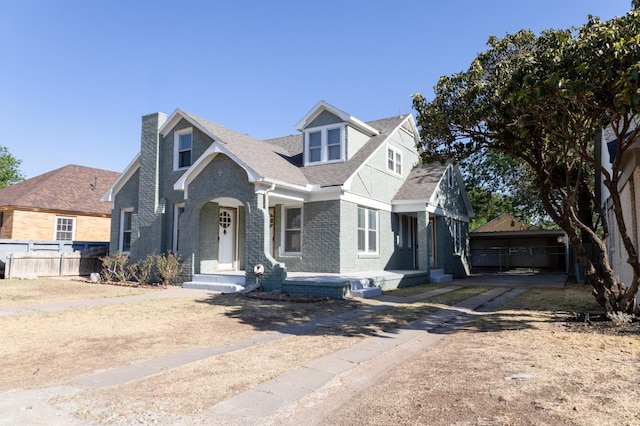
{"points": [[43, 349], [576, 378], [40, 291], [413, 290]]}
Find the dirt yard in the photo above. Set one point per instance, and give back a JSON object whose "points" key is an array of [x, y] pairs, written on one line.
{"points": [[518, 365]]}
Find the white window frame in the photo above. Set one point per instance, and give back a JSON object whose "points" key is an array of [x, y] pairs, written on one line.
{"points": [[285, 229], [367, 230], [73, 228], [405, 231], [324, 144], [176, 148], [121, 231], [450, 176], [456, 235], [176, 230], [394, 163]]}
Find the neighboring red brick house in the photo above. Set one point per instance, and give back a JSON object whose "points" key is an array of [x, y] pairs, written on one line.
{"points": [[63, 204]]}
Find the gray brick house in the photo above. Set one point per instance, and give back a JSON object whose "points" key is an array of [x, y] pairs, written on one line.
{"points": [[340, 198]]}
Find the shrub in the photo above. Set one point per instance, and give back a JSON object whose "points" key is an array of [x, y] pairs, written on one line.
{"points": [[114, 267], [620, 318], [168, 267], [145, 269]]}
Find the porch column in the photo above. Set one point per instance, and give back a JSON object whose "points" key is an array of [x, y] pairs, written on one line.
{"points": [[424, 232], [257, 247]]}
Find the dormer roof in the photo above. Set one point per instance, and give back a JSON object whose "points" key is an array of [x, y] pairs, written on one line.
{"points": [[322, 106]]}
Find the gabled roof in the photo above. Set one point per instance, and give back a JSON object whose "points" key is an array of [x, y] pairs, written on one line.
{"points": [[421, 182], [347, 118], [260, 158], [70, 188], [505, 223], [334, 174]]}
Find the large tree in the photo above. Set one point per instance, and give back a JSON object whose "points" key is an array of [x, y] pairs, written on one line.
{"points": [[496, 184], [543, 100], [9, 168]]}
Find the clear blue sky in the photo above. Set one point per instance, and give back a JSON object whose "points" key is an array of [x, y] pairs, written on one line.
{"points": [[76, 76]]}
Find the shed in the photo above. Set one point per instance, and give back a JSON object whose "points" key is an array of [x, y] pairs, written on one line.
{"points": [[506, 243]]}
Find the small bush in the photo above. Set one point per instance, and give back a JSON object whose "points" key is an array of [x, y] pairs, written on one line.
{"points": [[114, 267], [145, 269], [620, 318], [168, 267]]}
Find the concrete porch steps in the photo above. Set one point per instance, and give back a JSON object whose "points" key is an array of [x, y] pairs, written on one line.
{"points": [[363, 287], [438, 276], [224, 283]]}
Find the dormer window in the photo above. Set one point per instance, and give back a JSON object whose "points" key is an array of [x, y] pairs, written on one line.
{"points": [[183, 143], [324, 145]]}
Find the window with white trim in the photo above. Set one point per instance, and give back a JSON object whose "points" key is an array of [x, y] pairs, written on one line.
{"points": [[367, 230], [182, 148], [178, 210], [292, 230], [406, 231], [394, 160], [324, 144], [449, 173], [126, 217], [456, 234], [65, 228]]}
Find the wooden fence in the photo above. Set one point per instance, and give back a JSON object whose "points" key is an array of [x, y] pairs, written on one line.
{"points": [[52, 264]]}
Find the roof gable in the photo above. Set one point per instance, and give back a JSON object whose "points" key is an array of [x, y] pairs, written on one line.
{"points": [[262, 160], [506, 223], [323, 107], [70, 188]]}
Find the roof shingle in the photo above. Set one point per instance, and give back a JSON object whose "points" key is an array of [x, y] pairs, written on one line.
{"points": [[70, 188]]}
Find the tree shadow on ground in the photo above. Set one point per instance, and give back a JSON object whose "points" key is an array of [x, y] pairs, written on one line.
{"points": [[355, 318], [272, 315]]}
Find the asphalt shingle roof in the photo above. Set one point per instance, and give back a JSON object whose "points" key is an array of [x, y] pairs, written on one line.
{"points": [[70, 188], [264, 157], [421, 182], [334, 174]]}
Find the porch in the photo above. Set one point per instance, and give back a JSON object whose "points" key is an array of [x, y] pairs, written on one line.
{"points": [[335, 286]]}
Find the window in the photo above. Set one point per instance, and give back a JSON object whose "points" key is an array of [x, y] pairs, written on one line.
{"points": [[178, 209], [406, 231], [394, 161], [324, 145], [367, 230], [64, 228], [293, 230], [183, 144], [126, 216], [449, 173], [456, 234]]}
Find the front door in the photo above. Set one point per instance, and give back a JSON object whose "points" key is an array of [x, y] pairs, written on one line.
{"points": [[226, 239]]}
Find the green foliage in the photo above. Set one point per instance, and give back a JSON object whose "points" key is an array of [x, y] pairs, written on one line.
{"points": [[541, 100], [9, 168], [496, 184], [168, 267]]}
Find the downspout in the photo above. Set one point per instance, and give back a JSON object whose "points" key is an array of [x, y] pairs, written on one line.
{"points": [[266, 196]]}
